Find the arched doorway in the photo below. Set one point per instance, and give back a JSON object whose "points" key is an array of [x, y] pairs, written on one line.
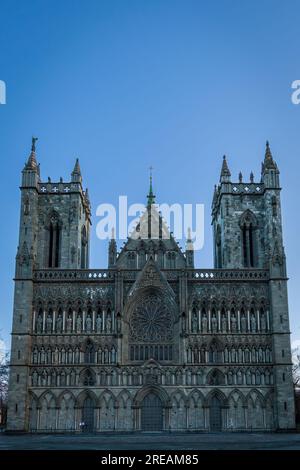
{"points": [[151, 413], [88, 415], [215, 414]]}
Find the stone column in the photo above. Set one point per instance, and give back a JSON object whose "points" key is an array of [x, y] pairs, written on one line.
{"points": [[56, 417], [38, 421], [206, 417], [187, 416], [258, 321], [209, 320], [74, 326], [94, 316], [245, 416], [103, 320], [54, 321], [219, 320], [116, 417], [248, 320], [268, 320], [33, 321], [228, 321], [83, 320], [98, 410], [64, 321], [44, 320], [239, 321]]}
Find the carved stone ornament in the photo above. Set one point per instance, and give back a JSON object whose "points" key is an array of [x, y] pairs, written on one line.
{"points": [[151, 320]]}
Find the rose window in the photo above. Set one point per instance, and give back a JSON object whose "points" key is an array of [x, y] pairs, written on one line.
{"points": [[151, 320]]}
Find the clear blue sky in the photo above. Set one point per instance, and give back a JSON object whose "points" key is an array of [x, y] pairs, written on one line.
{"points": [[125, 84]]}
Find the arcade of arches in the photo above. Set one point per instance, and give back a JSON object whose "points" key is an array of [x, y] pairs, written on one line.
{"points": [[151, 409]]}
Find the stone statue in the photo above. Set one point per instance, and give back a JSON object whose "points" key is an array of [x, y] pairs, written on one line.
{"points": [[253, 322], [35, 356], [79, 324], [214, 323], [77, 356], [88, 324], [233, 323], [224, 323], [204, 323], [108, 323], [263, 324], [49, 355], [226, 356], [63, 356], [113, 355], [59, 322], [243, 323], [56, 356], [49, 322], [42, 356], [39, 324], [69, 324], [72, 378], [34, 378], [70, 356], [194, 323], [99, 323]]}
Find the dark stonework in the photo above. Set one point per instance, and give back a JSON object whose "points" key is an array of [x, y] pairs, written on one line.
{"points": [[151, 342]]}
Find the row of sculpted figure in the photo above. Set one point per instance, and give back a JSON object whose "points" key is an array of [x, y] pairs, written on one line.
{"points": [[223, 322], [102, 322]]}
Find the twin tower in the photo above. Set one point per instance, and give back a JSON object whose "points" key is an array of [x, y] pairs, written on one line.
{"points": [[56, 219]]}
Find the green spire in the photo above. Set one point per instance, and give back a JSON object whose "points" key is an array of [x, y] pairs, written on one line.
{"points": [[150, 196]]}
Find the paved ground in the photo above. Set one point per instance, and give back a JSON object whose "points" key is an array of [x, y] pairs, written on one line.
{"points": [[152, 441]]}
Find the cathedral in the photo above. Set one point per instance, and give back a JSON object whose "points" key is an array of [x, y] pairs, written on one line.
{"points": [[151, 343]]}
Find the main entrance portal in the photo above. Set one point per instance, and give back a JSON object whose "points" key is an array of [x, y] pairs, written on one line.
{"points": [[152, 413]]}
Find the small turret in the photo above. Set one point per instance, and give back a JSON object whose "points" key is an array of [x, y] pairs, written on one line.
{"points": [[189, 251], [76, 173], [112, 250], [225, 173], [31, 170], [269, 170]]}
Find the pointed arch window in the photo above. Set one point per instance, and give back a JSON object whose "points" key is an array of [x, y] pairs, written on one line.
{"points": [[218, 251], [248, 225], [54, 241], [84, 248], [89, 354]]}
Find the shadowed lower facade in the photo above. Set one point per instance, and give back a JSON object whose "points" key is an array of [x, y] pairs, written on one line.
{"points": [[150, 343]]}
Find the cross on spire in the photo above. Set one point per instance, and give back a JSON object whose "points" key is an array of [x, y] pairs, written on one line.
{"points": [[150, 196], [33, 140]]}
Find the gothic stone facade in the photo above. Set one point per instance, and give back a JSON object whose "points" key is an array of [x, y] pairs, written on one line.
{"points": [[151, 343]]}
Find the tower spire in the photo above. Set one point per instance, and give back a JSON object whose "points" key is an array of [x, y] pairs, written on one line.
{"points": [[269, 163], [76, 173], [225, 173], [150, 196], [189, 250], [31, 162]]}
